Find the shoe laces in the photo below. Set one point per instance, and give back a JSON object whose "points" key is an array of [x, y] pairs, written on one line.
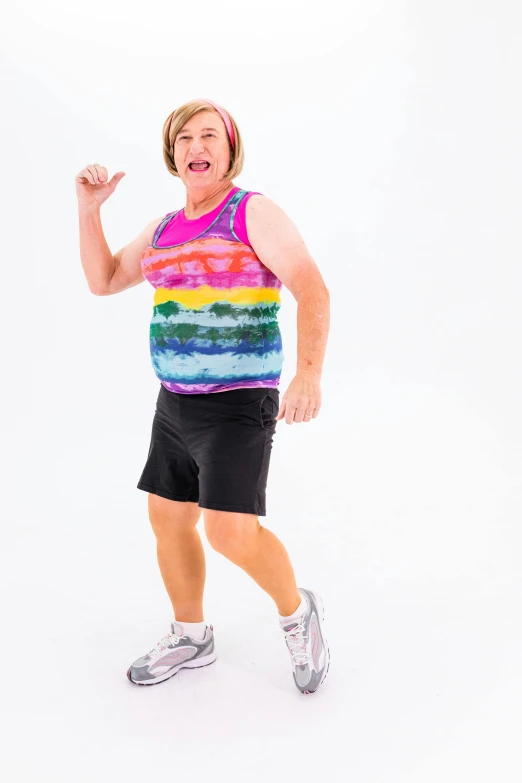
{"points": [[161, 646], [296, 642]]}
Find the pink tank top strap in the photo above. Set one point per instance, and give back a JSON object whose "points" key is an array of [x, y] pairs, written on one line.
{"points": [[240, 227]]}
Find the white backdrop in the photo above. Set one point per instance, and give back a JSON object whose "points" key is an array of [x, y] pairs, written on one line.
{"points": [[390, 133]]}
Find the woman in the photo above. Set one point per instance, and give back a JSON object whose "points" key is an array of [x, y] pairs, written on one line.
{"points": [[217, 267]]}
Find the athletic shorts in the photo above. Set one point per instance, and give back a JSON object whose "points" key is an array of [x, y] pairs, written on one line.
{"points": [[212, 449]]}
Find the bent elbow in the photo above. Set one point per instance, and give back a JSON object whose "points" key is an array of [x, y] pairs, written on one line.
{"points": [[98, 291]]}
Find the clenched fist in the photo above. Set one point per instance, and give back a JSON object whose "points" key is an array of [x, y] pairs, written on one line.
{"points": [[93, 186]]}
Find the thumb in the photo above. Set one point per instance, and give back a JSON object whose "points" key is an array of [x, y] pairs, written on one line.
{"points": [[115, 179]]}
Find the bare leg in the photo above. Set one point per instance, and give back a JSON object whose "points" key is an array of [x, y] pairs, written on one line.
{"points": [[180, 553], [255, 549]]}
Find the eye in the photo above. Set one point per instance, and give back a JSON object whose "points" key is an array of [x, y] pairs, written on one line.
{"points": [[187, 137]]}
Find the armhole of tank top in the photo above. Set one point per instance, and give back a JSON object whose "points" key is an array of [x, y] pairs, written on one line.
{"points": [[240, 217], [162, 226]]}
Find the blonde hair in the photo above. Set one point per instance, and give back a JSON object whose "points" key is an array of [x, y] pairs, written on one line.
{"points": [[175, 122]]}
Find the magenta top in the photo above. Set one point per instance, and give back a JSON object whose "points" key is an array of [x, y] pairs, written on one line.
{"points": [[181, 229]]}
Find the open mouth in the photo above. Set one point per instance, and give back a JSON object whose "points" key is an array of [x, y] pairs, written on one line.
{"points": [[199, 166]]}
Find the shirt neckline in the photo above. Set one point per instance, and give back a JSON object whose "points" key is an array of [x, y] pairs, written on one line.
{"points": [[191, 221]]}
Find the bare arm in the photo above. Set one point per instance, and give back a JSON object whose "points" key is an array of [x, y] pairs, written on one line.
{"points": [[279, 246], [107, 274]]}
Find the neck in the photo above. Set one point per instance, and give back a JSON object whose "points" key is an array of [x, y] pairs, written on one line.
{"points": [[203, 200]]}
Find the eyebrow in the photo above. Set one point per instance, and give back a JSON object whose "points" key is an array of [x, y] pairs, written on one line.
{"points": [[183, 130]]}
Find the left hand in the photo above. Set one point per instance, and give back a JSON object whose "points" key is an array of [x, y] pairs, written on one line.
{"points": [[303, 396]]}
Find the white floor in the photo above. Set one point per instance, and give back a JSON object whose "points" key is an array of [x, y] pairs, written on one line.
{"points": [[403, 512]]}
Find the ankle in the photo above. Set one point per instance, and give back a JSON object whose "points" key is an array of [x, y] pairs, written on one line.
{"points": [[290, 607], [188, 613]]}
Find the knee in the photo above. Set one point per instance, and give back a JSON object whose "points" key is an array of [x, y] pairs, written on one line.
{"points": [[229, 533], [170, 517]]}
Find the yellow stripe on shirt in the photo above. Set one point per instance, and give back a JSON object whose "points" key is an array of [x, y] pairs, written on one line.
{"points": [[195, 298]]}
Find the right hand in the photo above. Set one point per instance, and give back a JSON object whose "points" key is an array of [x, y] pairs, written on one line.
{"points": [[93, 186]]}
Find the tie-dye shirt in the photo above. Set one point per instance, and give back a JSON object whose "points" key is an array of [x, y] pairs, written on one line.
{"points": [[214, 323]]}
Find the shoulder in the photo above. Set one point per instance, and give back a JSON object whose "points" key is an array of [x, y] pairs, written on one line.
{"points": [[261, 210], [155, 225], [249, 197], [256, 200], [264, 216], [150, 229]]}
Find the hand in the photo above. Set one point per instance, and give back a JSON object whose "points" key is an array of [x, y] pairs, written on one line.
{"points": [[303, 396], [92, 185]]}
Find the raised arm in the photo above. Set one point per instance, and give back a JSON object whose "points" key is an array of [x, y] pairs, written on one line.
{"points": [[106, 273]]}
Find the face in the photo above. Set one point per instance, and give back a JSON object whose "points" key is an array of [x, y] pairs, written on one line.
{"points": [[204, 137]]}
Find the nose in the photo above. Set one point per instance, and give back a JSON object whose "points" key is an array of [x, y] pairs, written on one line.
{"points": [[196, 146]]}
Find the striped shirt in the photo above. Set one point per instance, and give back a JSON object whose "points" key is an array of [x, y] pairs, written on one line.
{"points": [[214, 322]]}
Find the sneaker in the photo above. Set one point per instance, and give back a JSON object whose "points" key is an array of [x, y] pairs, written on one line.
{"points": [[171, 654], [308, 648]]}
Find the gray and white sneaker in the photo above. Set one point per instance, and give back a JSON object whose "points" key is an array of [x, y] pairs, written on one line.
{"points": [[171, 654], [307, 645]]}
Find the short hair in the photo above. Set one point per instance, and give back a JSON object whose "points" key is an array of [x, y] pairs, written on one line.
{"points": [[177, 119]]}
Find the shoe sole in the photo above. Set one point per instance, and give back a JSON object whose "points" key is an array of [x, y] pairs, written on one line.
{"points": [[194, 664], [320, 605]]}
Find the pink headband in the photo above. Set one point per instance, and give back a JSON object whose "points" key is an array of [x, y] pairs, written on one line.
{"points": [[226, 120]]}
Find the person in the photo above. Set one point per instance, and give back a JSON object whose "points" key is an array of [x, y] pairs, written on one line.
{"points": [[217, 267]]}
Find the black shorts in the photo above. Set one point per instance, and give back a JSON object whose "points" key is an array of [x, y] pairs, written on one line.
{"points": [[212, 449]]}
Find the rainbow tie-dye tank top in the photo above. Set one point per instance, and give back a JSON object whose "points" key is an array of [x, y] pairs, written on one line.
{"points": [[214, 323]]}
